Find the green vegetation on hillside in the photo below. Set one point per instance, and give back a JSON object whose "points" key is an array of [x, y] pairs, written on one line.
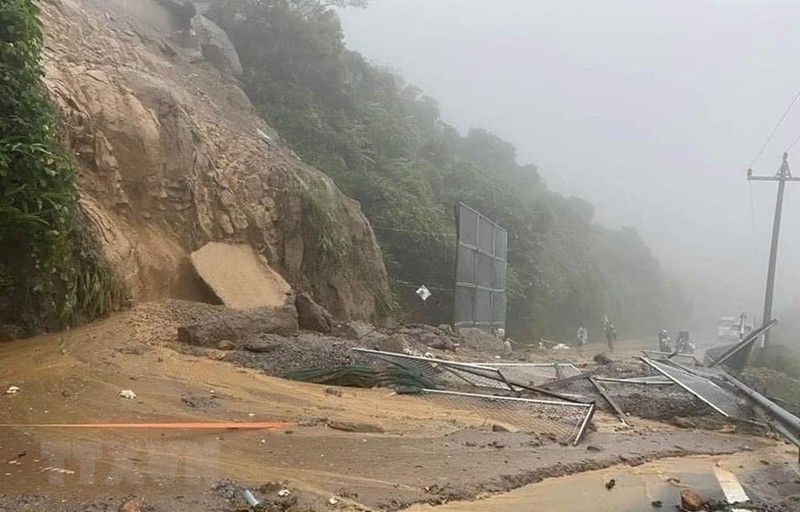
{"points": [[384, 143], [50, 274]]}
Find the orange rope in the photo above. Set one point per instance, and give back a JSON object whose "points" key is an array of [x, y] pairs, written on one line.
{"points": [[270, 425]]}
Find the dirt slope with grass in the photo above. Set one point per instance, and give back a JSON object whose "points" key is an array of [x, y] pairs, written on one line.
{"points": [[170, 157]]}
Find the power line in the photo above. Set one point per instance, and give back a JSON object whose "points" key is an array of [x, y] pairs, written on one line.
{"points": [[774, 130], [792, 144]]}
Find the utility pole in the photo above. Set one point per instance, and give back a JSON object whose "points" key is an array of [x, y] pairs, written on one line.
{"points": [[783, 175]]}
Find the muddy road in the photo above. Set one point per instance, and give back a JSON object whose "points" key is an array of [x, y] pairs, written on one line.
{"points": [[388, 451]]}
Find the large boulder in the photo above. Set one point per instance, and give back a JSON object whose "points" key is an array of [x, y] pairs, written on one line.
{"points": [[311, 316], [217, 48], [236, 326], [239, 276]]}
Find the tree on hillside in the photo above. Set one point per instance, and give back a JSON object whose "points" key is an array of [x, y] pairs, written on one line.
{"points": [[384, 143], [49, 274]]}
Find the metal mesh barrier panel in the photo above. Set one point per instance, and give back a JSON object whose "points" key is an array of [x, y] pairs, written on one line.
{"points": [[444, 373], [718, 398], [480, 298], [657, 354], [534, 374], [564, 422]]}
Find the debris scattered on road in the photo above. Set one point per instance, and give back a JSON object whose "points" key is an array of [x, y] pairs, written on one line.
{"points": [[601, 359], [131, 505], [250, 499], [333, 501], [61, 471], [334, 392], [364, 428], [691, 501], [226, 345], [284, 492], [12, 390], [127, 393]]}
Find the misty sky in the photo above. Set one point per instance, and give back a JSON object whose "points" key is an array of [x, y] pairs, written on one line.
{"points": [[652, 110]]}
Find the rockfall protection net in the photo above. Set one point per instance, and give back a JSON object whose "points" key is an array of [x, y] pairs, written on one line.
{"points": [[564, 422]]}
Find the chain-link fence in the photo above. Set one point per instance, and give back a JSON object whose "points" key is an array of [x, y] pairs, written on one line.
{"points": [[559, 420], [448, 374], [564, 422], [534, 374], [720, 399]]}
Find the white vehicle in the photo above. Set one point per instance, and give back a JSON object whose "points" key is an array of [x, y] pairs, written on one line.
{"points": [[734, 328]]}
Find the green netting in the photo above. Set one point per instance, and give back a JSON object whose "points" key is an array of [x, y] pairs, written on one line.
{"points": [[363, 376]]}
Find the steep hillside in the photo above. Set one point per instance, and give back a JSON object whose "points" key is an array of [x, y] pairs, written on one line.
{"points": [[385, 143], [171, 155]]}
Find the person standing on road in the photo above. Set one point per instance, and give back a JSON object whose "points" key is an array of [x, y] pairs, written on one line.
{"points": [[611, 336], [583, 336]]}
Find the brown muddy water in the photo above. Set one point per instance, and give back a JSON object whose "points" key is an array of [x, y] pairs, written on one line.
{"points": [[636, 489]]}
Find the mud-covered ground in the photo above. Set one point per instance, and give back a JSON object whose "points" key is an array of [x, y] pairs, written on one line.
{"points": [[387, 451]]}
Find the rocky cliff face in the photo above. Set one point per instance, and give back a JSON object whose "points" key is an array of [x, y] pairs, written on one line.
{"points": [[171, 155]]}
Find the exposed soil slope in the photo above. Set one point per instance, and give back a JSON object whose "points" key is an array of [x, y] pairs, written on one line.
{"points": [[170, 157]]}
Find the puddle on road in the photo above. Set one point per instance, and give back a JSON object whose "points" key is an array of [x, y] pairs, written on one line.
{"points": [[636, 488]]}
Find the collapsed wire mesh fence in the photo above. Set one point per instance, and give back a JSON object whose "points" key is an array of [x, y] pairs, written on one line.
{"points": [[443, 373], [481, 374], [563, 422], [534, 374], [725, 402]]}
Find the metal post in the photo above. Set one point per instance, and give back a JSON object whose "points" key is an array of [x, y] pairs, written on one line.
{"points": [[784, 175]]}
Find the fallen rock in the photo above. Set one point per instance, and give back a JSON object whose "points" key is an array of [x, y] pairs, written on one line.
{"points": [[397, 343], [682, 422], [334, 392], [364, 428], [691, 501], [433, 337], [601, 359], [311, 316], [264, 345], [131, 505], [355, 330], [226, 345], [236, 325], [593, 448], [239, 276], [499, 428], [479, 340]]}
